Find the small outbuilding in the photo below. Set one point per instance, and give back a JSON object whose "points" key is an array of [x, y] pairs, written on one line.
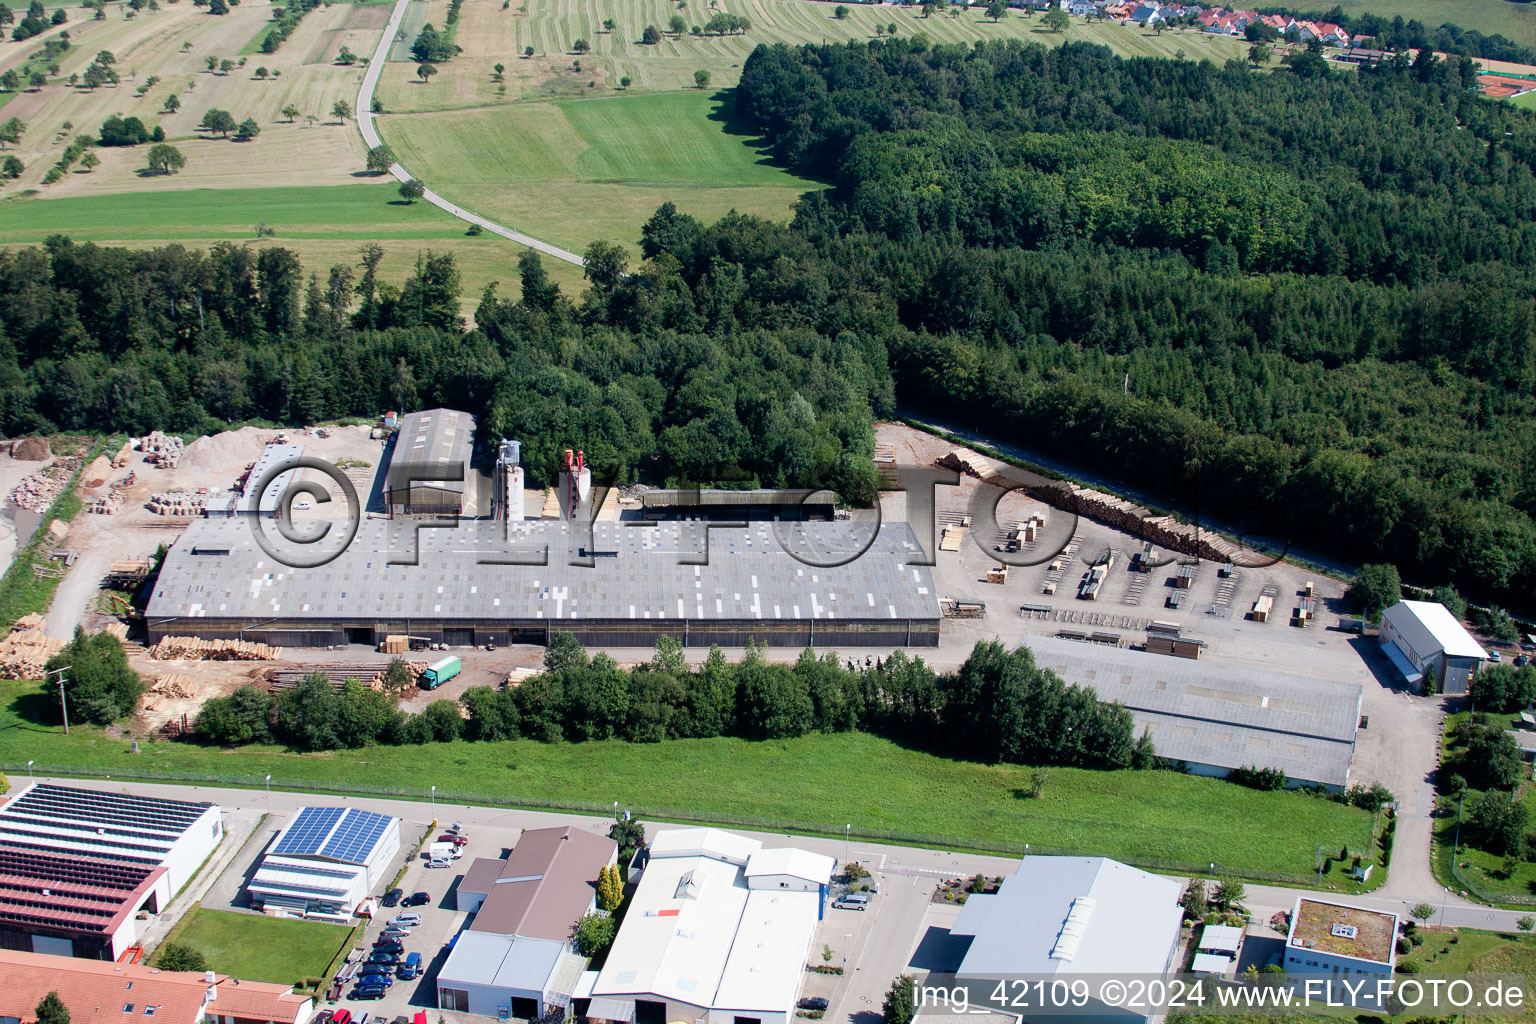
{"points": [[1427, 645]]}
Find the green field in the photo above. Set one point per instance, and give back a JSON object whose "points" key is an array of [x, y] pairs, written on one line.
{"points": [[324, 224], [579, 170], [1515, 21], [259, 948], [817, 781]]}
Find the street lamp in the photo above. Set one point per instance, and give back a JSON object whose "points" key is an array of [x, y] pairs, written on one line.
{"points": [[434, 796], [847, 941], [29, 769], [269, 792], [847, 838]]}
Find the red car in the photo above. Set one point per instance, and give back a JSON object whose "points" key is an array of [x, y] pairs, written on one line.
{"points": [[455, 840]]}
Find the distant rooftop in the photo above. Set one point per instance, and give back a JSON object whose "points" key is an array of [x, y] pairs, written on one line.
{"points": [[431, 437]]}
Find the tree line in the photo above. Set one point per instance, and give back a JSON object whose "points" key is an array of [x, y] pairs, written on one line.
{"points": [[999, 707], [1396, 34], [1325, 341]]}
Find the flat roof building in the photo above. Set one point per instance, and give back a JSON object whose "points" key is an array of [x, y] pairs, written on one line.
{"points": [[513, 582], [1336, 938], [325, 862], [78, 865], [515, 958], [1424, 642], [429, 458], [1058, 917], [713, 935], [1217, 717], [96, 992]]}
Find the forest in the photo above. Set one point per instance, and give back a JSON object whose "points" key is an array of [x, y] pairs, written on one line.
{"points": [[999, 707], [1298, 301]]}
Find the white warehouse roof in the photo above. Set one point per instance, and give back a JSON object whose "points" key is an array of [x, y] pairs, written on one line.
{"points": [[791, 861], [695, 933], [1072, 915], [1429, 626]]}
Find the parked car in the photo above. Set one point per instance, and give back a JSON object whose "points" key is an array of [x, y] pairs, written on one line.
{"points": [[411, 968], [342, 1016], [456, 838], [1495, 657], [402, 1019], [457, 826], [405, 921], [392, 898], [417, 899], [383, 945], [383, 958], [369, 992], [323, 1017], [385, 975], [812, 1003], [1522, 660], [853, 901]]}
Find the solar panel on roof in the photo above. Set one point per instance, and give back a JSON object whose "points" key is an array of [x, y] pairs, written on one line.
{"points": [[354, 839], [309, 830]]}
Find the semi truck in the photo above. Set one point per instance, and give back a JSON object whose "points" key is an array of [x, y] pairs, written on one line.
{"points": [[439, 672]]}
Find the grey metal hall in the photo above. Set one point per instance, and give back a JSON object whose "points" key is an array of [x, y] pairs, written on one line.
{"points": [[612, 584]]}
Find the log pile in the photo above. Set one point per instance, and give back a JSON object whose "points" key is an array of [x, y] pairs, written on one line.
{"points": [[371, 675], [193, 648], [174, 685], [176, 503], [161, 450], [1163, 531], [117, 629], [24, 653], [109, 503], [32, 621]]}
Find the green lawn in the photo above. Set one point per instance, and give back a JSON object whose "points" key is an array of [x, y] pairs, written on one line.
{"points": [[575, 171], [1515, 21], [324, 224], [1483, 869], [816, 783], [259, 948]]}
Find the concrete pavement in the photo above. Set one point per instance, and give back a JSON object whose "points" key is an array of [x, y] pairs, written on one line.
{"points": [[371, 137]]}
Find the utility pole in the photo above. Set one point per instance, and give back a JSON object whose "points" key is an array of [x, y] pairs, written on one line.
{"points": [[63, 701]]}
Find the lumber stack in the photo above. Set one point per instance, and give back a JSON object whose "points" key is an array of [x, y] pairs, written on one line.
{"points": [[191, 648], [161, 450], [24, 653], [117, 629], [32, 621], [174, 685]]}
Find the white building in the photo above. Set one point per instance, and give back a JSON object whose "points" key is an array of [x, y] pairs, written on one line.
{"points": [[325, 862], [515, 958], [1424, 641], [82, 864], [1217, 950], [1337, 939], [1059, 917], [718, 931]]}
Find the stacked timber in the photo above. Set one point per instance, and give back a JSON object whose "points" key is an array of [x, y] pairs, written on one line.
{"points": [[24, 653], [32, 621], [176, 503], [191, 648], [117, 629], [174, 685], [396, 643], [163, 450]]}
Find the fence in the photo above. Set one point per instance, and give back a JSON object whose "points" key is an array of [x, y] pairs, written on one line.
{"points": [[1513, 899], [788, 826]]}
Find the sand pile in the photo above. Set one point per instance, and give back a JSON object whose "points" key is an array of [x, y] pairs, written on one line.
{"points": [[31, 449], [232, 448], [96, 473]]}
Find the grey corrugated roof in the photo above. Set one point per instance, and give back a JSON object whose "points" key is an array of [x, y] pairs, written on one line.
{"points": [[1128, 926], [431, 437], [638, 572], [272, 494], [500, 961], [1429, 627], [1217, 714], [663, 498]]}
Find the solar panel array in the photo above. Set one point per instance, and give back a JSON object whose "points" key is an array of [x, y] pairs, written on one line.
{"points": [[309, 830], [335, 833], [355, 837]]}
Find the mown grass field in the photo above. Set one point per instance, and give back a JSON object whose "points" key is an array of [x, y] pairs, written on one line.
{"points": [[574, 171], [325, 225], [491, 35], [260, 948], [1515, 21], [868, 781]]}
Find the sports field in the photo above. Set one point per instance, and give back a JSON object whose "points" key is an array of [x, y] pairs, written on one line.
{"points": [[574, 171], [491, 35], [863, 779]]}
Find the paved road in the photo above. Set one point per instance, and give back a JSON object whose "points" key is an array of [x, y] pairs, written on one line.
{"points": [[371, 137]]}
